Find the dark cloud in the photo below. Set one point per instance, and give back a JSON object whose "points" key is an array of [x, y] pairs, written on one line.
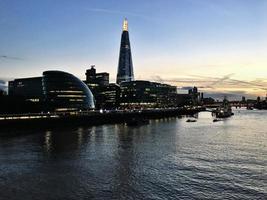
{"points": [[6, 79], [220, 80], [216, 83], [235, 95], [218, 87], [157, 79], [186, 88], [3, 85], [190, 87], [5, 57]]}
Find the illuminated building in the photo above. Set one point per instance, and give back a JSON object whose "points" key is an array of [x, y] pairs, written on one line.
{"points": [[65, 92], [138, 94], [94, 79], [28, 88], [106, 94], [196, 97], [54, 91], [125, 66], [108, 97]]}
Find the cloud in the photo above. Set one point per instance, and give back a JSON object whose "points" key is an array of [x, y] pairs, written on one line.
{"points": [[117, 12], [3, 85], [220, 80], [157, 79], [225, 81], [186, 88], [221, 95], [234, 95], [5, 57], [6, 79], [220, 85]]}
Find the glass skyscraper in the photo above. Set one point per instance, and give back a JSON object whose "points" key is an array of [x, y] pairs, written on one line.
{"points": [[125, 66]]}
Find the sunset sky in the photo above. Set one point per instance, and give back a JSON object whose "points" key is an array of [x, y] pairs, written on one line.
{"points": [[217, 45]]}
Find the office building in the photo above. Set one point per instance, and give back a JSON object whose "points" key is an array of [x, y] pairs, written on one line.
{"points": [[196, 97], [125, 66], [28, 88], [108, 97], [106, 94], [94, 79], [54, 91], [65, 92], [146, 94]]}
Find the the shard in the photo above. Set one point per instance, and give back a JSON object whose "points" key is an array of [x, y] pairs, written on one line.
{"points": [[125, 66]]}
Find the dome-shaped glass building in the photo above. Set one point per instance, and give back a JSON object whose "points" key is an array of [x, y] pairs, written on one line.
{"points": [[65, 92]]}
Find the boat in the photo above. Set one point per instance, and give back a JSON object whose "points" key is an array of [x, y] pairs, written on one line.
{"points": [[249, 108], [217, 120], [191, 120], [137, 122], [224, 110]]}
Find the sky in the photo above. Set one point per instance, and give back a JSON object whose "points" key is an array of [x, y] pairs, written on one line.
{"points": [[218, 45]]}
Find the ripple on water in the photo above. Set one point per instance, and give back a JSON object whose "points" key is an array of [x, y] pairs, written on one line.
{"points": [[167, 159]]}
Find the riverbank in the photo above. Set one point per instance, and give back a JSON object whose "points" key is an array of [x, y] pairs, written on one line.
{"points": [[91, 118]]}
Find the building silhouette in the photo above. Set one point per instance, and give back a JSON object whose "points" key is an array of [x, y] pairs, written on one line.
{"points": [[146, 94], [125, 66], [106, 94], [54, 91], [94, 79], [29, 88]]}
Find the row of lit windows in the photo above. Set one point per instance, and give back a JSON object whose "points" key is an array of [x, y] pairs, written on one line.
{"points": [[75, 100], [29, 117], [33, 100], [110, 101], [141, 103], [62, 95], [66, 91], [65, 109], [109, 92]]}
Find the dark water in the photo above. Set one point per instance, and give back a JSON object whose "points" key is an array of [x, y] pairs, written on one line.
{"points": [[167, 159]]}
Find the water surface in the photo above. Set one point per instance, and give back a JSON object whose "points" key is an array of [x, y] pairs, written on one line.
{"points": [[167, 159]]}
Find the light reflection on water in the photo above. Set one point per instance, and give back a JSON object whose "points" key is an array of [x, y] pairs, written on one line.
{"points": [[167, 159]]}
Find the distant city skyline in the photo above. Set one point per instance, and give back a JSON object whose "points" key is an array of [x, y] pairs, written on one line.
{"points": [[219, 46]]}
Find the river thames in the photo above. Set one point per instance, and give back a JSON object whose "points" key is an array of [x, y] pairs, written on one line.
{"points": [[166, 159]]}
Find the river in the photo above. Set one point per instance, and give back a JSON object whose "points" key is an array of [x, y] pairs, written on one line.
{"points": [[166, 159]]}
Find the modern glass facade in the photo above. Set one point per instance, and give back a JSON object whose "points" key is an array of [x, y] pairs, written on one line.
{"points": [[65, 92], [29, 88], [107, 97], [147, 94], [125, 67]]}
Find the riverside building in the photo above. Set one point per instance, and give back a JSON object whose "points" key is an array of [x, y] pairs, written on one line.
{"points": [[106, 94], [54, 91], [65, 92], [125, 66], [28, 88], [146, 94]]}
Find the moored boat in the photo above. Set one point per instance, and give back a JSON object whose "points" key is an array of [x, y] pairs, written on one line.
{"points": [[191, 120], [224, 110]]}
